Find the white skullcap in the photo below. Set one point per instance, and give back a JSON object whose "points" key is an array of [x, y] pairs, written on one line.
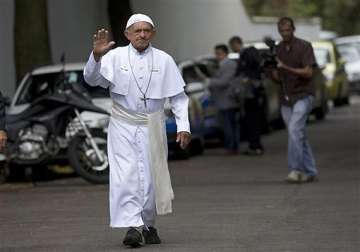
{"points": [[138, 18]]}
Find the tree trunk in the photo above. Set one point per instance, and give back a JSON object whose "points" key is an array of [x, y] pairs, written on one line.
{"points": [[32, 46], [119, 12]]}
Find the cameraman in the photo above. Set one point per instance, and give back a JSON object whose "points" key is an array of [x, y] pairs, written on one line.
{"points": [[3, 135], [249, 67], [296, 61]]}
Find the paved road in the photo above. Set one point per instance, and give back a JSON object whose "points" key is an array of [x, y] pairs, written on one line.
{"points": [[223, 203]]}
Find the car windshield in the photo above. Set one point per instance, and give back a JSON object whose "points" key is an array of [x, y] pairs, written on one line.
{"points": [[208, 66], [322, 56], [349, 53], [191, 74], [355, 44], [41, 84]]}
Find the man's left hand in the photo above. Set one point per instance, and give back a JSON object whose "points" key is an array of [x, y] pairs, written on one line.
{"points": [[183, 138]]}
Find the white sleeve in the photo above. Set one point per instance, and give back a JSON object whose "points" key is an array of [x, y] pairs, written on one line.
{"points": [[179, 106], [92, 74]]}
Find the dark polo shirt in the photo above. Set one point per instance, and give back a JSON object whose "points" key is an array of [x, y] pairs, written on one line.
{"points": [[297, 54]]}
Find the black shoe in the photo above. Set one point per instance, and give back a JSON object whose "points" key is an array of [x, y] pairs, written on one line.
{"points": [[151, 236], [133, 238]]}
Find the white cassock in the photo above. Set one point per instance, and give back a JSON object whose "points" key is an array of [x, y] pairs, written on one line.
{"points": [[140, 185]]}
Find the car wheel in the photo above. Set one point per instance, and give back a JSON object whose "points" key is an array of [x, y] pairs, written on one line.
{"points": [[181, 154], [337, 102], [321, 111], [346, 100], [4, 172], [197, 147]]}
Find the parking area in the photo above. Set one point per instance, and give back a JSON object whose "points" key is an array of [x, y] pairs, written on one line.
{"points": [[223, 203]]}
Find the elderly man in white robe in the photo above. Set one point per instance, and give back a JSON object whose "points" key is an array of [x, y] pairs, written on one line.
{"points": [[140, 78]]}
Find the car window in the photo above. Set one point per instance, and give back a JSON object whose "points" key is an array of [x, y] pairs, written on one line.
{"points": [[322, 56], [41, 84], [95, 92], [208, 67], [204, 69], [350, 54], [36, 86], [190, 74], [352, 44]]}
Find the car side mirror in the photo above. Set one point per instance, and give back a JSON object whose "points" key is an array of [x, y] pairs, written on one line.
{"points": [[194, 87]]}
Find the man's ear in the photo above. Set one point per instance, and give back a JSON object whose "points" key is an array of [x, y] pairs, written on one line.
{"points": [[153, 33], [126, 34]]}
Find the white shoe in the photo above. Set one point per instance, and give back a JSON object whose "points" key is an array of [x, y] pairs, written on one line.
{"points": [[294, 177]]}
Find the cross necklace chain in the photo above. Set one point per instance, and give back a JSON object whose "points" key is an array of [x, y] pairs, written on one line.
{"points": [[144, 99]]}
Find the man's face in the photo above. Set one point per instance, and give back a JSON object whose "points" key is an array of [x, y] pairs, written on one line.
{"points": [[220, 54], [286, 31], [140, 35], [235, 46]]}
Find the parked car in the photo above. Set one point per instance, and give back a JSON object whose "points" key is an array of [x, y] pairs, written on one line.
{"points": [[196, 118], [349, 49], [333, 67], [195, 78], [196, 146], [353, 41], [42, 80]]}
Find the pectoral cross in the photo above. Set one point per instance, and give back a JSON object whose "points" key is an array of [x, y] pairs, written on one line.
{"points": [[144, 99]]}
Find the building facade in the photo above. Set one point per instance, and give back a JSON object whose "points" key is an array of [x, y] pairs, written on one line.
{"points": [[185, 28]]}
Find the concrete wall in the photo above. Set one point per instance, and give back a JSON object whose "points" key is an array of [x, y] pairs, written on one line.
{"points": [[7, 67], [188, 28], [71, 26]]}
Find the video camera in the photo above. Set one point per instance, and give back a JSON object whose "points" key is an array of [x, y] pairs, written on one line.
{"points": [[269, 57]]}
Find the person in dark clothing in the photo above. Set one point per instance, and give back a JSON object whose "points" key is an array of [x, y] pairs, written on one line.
{"points": [[3, 135], [249, 68], [294, 71]]}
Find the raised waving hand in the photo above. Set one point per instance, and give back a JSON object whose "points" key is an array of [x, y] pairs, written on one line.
{"points": [[101, 43]]}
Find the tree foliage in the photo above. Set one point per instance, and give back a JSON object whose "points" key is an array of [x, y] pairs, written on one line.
{"points": [[119, 12], [337, 15], [32, 47]]}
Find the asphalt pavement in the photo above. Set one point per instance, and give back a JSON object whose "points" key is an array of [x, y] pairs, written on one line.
{"points": [[222, 203]]}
